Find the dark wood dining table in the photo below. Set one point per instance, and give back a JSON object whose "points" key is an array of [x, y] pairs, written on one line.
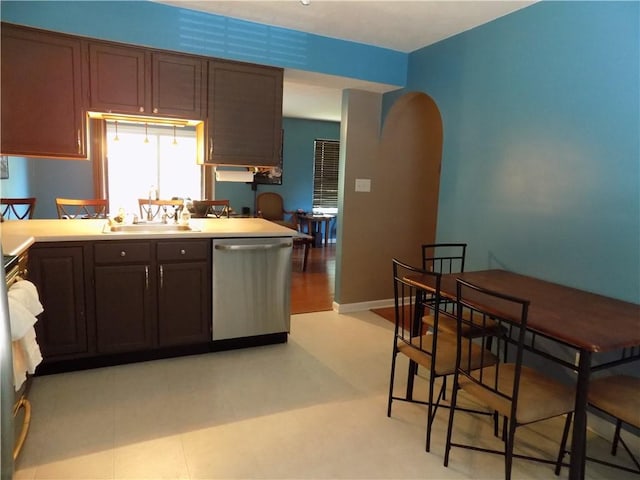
{"points": [[314, 222], [585, 321]]}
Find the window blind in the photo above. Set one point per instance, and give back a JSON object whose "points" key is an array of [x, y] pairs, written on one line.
{"points": [[325, 173]]}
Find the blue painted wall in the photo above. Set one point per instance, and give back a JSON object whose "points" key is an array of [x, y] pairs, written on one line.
{"points": [[297, 179], [17, 185], [171, 28], [541, 157]]}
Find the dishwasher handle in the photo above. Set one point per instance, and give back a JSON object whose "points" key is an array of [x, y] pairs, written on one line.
{"points": [[261, 246]]}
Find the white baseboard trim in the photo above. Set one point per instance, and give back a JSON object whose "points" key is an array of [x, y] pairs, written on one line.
{"points": [[361, 306]]}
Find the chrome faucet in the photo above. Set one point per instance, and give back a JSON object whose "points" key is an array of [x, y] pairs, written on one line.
{"points": [[152, 195]]}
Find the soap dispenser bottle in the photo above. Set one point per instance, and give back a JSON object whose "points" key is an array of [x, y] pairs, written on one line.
{"points": [[185, 215]]}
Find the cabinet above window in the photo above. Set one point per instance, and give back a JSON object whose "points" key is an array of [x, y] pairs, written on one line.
{"points": [[51, 81], [137, 81]]}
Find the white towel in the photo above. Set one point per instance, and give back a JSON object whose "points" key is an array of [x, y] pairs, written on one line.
{"points": [[20, 318], [26, 357], [26, 293]]}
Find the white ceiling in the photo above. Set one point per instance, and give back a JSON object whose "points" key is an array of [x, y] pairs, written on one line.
{"points": [[398, 25]]}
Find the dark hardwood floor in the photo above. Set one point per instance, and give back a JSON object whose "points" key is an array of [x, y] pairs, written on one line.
{"points": [[312, 290]]}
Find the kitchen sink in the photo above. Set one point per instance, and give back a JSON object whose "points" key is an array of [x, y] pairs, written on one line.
{"points": [[149, 228]]}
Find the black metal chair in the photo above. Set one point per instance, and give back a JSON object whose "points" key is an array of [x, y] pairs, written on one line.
{"points": [[448, 258], [17, 208], [619, 397], [435, 351], [444, 257], [519, 393]]}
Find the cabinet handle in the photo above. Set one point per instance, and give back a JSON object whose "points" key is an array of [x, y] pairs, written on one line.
{"points": [[79, 143], [183, 251], [141, 109], [146, 276], [161, 277], [123, 253], [210, 148], [155, 110]]}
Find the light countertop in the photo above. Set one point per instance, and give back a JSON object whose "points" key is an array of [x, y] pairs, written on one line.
{"points": [[18, 235]]}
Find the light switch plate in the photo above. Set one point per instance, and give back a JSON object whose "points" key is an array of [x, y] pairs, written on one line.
{"points": [[363, 184]]}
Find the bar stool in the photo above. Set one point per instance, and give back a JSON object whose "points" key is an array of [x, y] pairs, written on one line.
{"points": [[75, 208], [17, 208]]}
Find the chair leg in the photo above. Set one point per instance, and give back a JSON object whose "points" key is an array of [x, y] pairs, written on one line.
{"points": [[508, 451], [429, 413], [563, 443], [631, 455], [505, 421], [444, 388], [305, 256], [616, 438], [432, 408], [412, 371], [452, 409], [391, 379]]}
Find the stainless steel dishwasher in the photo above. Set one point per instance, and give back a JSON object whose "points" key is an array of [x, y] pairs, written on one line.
{"points": [[251, 287]]}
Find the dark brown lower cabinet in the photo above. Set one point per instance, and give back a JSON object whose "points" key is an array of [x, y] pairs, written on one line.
{"points": [[106, 298], [58, 271], [183, 310], [124, 308], [152, 294]]}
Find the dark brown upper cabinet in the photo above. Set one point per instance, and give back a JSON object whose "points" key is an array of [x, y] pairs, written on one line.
{"points": [[42, 108], [244, 123], [137, 81]]}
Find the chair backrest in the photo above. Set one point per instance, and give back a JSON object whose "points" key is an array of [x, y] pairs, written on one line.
{"points": [[411, 305], [270, 206], [17, 208], [477, 310], [151, 210], [212, 208], [444, 257], [74, 208]]}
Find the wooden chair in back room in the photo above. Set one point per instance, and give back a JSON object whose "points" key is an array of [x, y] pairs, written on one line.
{"points": [[77, 208], [211, 208], [150, 210], [17, 208], [270, 206]]}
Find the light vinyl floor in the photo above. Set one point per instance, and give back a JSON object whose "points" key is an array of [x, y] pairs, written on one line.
{"points": [[313, 408]]}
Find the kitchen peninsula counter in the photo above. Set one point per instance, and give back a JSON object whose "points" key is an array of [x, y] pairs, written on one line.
{"points": [[18, 235], [119, 297]]}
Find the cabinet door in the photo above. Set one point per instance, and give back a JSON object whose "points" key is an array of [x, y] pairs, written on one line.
{"points": [[244, 114], [183, 303], [119, 79], [58, 273], [178, 82], [124, 308], [42, 110]]}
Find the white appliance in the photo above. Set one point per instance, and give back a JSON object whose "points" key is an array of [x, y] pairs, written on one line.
{"points": [[251, 287]]}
